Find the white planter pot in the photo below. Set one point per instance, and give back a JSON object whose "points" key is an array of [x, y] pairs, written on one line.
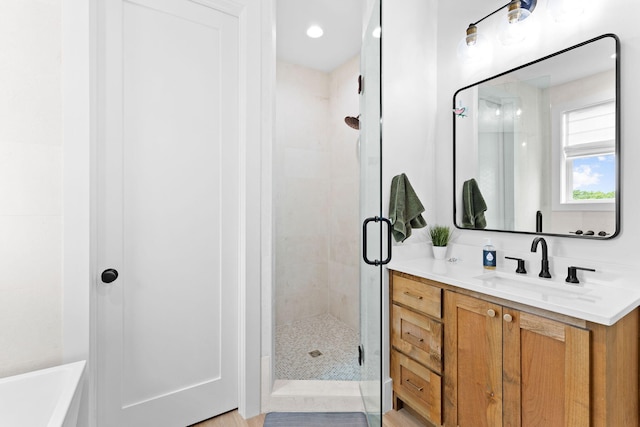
{"points": [[439, 252]]}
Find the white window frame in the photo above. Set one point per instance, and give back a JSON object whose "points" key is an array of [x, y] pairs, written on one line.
{"points": [[562, 175]]}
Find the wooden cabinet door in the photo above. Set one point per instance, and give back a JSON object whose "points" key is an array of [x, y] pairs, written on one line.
{"points": [[473, 362], [546, 372]]}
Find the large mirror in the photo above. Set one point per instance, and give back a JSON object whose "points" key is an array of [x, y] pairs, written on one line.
{"points": [[536, 148]]}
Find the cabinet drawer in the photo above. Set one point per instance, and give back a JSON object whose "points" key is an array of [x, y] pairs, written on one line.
{"points": [[419, 296], [417, 386], [417, 336]]}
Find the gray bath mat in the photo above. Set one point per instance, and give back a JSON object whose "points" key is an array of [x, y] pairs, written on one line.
{"points": [[315, 419]]}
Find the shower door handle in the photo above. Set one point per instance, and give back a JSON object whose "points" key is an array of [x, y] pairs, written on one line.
{"points": [[364, 241]]}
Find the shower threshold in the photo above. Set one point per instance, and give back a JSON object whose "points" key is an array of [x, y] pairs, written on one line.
{"points": [[315, 395]]}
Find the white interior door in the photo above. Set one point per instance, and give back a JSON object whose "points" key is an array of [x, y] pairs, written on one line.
{"points": [[168, 202]]}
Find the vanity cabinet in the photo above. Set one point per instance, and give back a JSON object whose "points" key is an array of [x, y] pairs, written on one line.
{"points": [[465, 359], [416, 340], [512, 368]]}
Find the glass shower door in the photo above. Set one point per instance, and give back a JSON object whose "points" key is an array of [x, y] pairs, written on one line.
{"points": [[374, 230]]}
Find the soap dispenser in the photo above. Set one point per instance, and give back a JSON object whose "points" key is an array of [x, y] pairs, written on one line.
{"points": [[489, 256]]}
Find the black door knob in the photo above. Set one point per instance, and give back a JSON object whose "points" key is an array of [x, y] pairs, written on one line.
{"points": [[109, 275]]}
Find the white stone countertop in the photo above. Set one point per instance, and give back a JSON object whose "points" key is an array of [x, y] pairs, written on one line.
{"points": [[603, 298]]}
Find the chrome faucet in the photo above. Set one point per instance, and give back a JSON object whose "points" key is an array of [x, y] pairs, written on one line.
{"points": [[544, 272]]}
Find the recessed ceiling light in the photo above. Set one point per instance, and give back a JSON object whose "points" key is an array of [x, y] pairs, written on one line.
{"points": [[315, 31]]}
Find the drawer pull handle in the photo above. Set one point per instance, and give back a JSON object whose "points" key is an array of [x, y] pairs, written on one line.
{"points": [[413, 385], [508, 318], [411, 335], [410, 295], [491, 313]]}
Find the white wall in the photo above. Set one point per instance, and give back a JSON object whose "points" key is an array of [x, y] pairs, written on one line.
{"points": [[30, 186], [409, 101], [599, 18], [409, 110]]}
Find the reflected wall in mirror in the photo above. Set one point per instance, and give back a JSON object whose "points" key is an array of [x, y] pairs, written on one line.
{"points": [[536, 148]]}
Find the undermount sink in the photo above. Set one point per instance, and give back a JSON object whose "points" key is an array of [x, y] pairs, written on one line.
{"points": [[533, 287]]}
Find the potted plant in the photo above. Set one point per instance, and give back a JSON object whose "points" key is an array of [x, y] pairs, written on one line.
{"points": [[440, 236]]}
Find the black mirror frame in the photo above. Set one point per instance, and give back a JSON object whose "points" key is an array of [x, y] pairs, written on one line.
{"points": [[617, 133]]}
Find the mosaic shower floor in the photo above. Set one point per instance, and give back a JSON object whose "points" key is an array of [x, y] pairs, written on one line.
{"points": [[336, 341]]}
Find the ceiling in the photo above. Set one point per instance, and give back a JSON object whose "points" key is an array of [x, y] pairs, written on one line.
{"points": [[341, 21]]}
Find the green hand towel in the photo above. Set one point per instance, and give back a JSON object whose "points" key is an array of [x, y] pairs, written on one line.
{"points": [[405, 209], [473, 206]]}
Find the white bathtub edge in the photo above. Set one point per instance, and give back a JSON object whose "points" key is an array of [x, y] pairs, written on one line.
{"points": [[65, 413]]}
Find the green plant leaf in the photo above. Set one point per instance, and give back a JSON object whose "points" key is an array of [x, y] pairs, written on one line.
{"points": [[440, 235]]}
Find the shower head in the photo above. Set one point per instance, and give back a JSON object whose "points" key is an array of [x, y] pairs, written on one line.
{"points": [[353, 122]]}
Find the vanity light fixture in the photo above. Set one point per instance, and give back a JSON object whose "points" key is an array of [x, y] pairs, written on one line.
{"points": [[315, 31], [517, 12]]}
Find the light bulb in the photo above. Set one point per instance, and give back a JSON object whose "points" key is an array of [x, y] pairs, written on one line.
{"points": [[472, 35], [315, 31], [514, 12], [474, 47], [514, 31], [479, 51]]}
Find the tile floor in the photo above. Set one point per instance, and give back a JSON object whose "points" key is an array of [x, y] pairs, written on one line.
{"points": [[336, 341]]}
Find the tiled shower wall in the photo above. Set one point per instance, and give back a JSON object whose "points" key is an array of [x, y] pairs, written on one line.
{"points": [[316, 189], [344, 226]]}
